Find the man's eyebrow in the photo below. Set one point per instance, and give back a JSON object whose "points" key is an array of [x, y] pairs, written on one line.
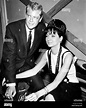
{"points": [[8, 40]]}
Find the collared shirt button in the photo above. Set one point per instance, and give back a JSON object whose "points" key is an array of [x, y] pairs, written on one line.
{"points": [[19, 50], [42, 29], [31, 60], [7, 60], [30, 80], [19, 70], [65, 90], [19, 30], [67, 81]]}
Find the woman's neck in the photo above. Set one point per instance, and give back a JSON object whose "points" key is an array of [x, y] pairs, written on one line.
{"points": [[55, 49]]}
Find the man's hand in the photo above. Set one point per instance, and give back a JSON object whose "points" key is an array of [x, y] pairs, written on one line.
{"points": [[10, 92]]}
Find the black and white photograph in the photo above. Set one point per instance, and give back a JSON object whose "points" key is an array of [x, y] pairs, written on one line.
{"points": [[43, 53]]}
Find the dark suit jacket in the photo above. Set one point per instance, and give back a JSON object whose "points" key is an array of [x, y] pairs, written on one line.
{"points": [[15, 57]]}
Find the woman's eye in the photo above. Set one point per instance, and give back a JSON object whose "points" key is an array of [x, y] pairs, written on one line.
{"points": [[54, 32], [48, 33], [53, 35]]}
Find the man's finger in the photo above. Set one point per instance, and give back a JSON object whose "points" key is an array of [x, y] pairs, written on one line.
{"points": [[14, 93]]}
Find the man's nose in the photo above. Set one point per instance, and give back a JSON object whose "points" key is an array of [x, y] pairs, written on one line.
{"points": [[31, 18]]}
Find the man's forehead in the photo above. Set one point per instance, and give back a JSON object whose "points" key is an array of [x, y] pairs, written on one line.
{"points": [[34, 12]]}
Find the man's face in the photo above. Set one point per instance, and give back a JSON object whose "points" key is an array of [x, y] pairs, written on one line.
{"points": [[33, 18]]}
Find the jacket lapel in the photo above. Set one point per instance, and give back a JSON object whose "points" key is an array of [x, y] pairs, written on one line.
{"points": [[23, 32], [35, 42]]}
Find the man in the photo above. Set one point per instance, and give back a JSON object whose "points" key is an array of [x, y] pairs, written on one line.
{"points": [[16, 56]]}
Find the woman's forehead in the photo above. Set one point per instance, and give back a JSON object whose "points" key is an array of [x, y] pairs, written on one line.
{"points": [[51, 30]]}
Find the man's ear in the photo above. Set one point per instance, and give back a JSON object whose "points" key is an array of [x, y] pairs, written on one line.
{"points": [[40, 19]]}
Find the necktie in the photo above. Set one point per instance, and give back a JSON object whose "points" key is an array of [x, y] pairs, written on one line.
{"points": [[29, 41]]}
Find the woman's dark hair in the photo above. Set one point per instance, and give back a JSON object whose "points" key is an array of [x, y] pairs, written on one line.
{"points": [[59, 26]]}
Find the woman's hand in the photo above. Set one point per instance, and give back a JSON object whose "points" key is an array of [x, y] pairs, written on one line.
{"points": [[31, 97]]}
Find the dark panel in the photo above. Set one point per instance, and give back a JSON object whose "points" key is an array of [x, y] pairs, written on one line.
{"points": [[25, 2], [1, 38]]}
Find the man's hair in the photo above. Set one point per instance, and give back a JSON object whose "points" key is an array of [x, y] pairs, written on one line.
{"points": [[35, 6]]}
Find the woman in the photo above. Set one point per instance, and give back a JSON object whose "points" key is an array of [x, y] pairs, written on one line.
{"points": [[64, 85]]}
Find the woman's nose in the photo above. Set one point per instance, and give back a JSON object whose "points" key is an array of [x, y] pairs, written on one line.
{"points": [[49, 39]]}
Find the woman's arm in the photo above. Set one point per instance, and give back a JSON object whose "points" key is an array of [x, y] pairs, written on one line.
{"points": [[34, 70], [62, 73], [60, 76], [9, 55]]}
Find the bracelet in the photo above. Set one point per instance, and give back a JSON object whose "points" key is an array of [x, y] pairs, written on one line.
{"points": [[46, 90]]}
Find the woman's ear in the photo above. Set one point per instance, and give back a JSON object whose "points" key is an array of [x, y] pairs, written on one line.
{"points": [[25, 15], [61, 38]]}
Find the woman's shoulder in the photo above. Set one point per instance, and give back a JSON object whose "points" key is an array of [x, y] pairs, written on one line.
{"points": [[64, 50], [66, 53]]}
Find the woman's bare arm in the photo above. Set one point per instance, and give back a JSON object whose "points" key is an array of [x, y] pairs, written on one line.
{"points": [[34, 70], [60, 76]]}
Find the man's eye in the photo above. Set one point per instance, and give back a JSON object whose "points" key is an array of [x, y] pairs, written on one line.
{"points": [[28, 15], [36, 17]]}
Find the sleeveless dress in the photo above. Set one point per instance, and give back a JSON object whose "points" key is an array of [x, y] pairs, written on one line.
{"points": [[69, 88]]}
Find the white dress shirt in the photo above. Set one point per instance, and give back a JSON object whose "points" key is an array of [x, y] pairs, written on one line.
{"points": [[32, 33]]}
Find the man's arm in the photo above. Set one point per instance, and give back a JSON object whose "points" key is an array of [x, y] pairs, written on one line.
{"points": [[9, 55]]}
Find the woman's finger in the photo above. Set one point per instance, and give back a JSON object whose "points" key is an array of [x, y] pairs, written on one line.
{"points": [[31, 97]]}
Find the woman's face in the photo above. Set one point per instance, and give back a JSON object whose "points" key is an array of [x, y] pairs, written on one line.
{"points": [[52, 38]]}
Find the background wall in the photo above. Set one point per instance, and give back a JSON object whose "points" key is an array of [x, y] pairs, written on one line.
{"points": [[73, 15]]}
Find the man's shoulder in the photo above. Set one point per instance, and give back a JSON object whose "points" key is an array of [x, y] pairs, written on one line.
{"points": [[42, 23], [16, 22], [41, 26]]}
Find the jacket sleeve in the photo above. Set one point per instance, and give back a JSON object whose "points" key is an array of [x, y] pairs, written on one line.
{"points": [[9, 55]]}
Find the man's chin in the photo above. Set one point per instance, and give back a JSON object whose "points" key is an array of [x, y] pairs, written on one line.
{"points": [[31, 28]]}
